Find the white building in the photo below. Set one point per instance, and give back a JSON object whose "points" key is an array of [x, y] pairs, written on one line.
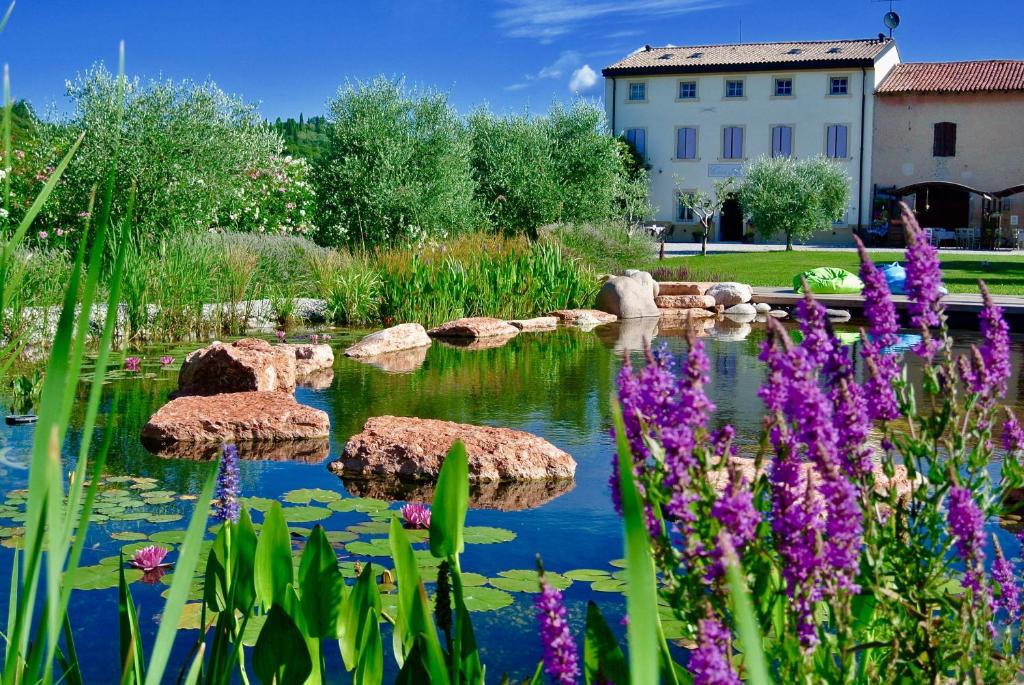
{"points": [[698, 113]]}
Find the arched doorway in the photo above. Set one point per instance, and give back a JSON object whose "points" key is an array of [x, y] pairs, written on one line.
{"points": [[730, 221], [942, 206]]}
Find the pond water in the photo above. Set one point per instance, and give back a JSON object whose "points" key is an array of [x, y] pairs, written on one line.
{"points": [[555, 385]]}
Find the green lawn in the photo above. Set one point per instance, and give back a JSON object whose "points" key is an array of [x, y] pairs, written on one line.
{"points": [[1004, 274]]}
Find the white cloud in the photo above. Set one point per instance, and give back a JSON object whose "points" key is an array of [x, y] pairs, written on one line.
{"points": [[583, 79], [567, 60], [546, 20], [517, 86]]}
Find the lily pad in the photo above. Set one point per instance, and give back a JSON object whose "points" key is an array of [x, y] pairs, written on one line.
{"points": [[165, 499], [305, 514], [480, 598], [360, 504], [608, 585], [163, 518], [374, 547], [102, 576], [144, 485], [523, 580], [486, 535], [586, 575], [258, 503], [470, 579], [307, 495], [370, 528], [128, 536], [338, 537]]}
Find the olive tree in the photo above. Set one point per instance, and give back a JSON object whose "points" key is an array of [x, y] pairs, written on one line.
{"points": [[705, 205], [795, 197]]}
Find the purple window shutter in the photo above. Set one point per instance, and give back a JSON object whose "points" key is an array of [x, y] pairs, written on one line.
{"points": [[787, 141], [681, 143], [727, 143], [737, 143], [691, 143], [841, 135], [830, 144], [777, 141], [641, 142]]}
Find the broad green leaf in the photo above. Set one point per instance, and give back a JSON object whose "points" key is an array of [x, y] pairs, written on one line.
{"points": [[321, 586], [307, 495], [746, 625], [130, 635], [480, 598], [603, 660], [487, 535], [370, 669], [359, 613], [273, 572], [451, 501], [281, 655]]}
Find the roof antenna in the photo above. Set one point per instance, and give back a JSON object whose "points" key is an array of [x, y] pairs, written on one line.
{"points": [[891, 18], [741, 31]]}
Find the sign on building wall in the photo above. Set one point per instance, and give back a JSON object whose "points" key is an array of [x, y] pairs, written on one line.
{"points": [[724, 170]]}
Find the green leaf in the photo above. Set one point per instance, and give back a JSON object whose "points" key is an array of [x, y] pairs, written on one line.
{"points": [[479, 598], [273, 572], [374, 547], [486, 535], [603, 660], [321, 586], [451, 501], [746, 625], [243, 561], [305, 514], [281, 655], [307, 495], [359, 613], [130, 635], [370, 669]]}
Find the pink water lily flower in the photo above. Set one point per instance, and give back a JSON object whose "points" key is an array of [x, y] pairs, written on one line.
{"points": [[416, 516], [314, 338], [166, 360], [149, 558], [281, 336], [132, 364]]}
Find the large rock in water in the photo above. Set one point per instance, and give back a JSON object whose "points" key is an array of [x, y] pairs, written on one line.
{"points": [[414, 449], [406, 336], [685, 301], [629, 297], [235, 416], [310, 358], [474, 327], [247, 365], [730, 293]]}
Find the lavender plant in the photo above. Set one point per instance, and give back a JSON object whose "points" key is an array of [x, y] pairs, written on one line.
{"points": [[861, 521]]}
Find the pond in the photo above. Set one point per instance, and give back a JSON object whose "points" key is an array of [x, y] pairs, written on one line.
{"points": [[555, 385]]}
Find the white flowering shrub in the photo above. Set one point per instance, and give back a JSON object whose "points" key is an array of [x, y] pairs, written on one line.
{"points": [[275, 197]]}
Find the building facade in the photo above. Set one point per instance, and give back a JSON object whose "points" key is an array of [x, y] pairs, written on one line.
{"points": [[948, 142], [697, 114]]}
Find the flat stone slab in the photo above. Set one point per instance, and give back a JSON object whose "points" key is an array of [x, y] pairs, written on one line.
{"points": [[572, 317], [540, 323], [235, 417], [683, 287], [414, 449], [684, 301], [404, 336], [474, 327], [247, 365], [687, 313]]}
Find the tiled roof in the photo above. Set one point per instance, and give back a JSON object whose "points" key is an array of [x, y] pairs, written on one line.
{"points": [[750, 56], [954, 77]]}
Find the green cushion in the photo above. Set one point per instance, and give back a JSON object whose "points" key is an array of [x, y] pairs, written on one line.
{"points": [[827, 280]]}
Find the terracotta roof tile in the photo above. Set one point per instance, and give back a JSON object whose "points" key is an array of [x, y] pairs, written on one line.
{"points": [[954, 77], [749, 56]]}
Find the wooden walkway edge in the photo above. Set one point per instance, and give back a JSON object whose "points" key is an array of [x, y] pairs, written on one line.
{"points": [[966, 303]]}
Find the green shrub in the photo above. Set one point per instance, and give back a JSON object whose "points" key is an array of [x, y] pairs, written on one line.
{"points": [[275, 198], [397, 168], [350, 285], [609, 247]]}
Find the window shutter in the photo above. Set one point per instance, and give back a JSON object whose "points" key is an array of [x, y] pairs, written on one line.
{"points": [[691, 143], [777, 141], [841, 136], [737, 143], [641, 142], [787, 141], [681, 143], [944, 144]]}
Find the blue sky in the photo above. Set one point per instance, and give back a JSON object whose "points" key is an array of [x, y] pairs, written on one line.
{"points": [[512, 54]]}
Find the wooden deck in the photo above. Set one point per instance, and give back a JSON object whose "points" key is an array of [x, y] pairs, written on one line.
{"points": [[966, 303]]}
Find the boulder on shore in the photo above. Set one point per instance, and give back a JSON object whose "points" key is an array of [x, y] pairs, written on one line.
{"points": [[685, 301], [414, 449], [683, 287], [247, 365], [730, 293], [629, 297], [574, 317], [310, 358], [234, 417], [474, 327], [404, 336], [741, 312]]}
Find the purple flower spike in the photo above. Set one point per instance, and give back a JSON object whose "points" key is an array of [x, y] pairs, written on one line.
{"points": [[416, 516], [883, 325], [924, 280], [132, 364], [991, 376], [561, 660], [281, 335], [226, 507], [967, 525], [1013, 434], [1006, 579], [149, 558], [709, 663]]}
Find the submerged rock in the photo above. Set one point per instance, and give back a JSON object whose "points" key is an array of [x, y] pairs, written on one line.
{"points": [[235, 416], [630, 296], [404, 336], [578, 317], [540, 323], [500, 495], [629, 335], [414, 449], [730, 293], [474, 327], [247, 365]]}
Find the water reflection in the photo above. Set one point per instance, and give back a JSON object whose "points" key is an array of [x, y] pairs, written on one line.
{"points": [[306, 451], [629, 334], [503, 496]]}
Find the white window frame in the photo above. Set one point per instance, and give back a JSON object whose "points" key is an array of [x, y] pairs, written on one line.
{"points": [[743, 89], [775, 86], [629, 91], [696, 90], [835, 77]]}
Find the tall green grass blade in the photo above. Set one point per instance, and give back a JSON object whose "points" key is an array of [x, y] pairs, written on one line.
{"points": [[7, 16], [8, 113], [603, 660], [641, 597], [185, 569], [746, 625], [451, 501], [69, 664], [129, 633], [196, 669]]}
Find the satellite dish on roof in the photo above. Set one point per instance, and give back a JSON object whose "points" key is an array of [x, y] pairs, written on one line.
{"points": [[891, 20]]}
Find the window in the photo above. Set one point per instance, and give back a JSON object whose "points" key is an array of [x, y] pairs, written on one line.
{"points": [[686, 143], [782, 141], [687, 90], [783, 87], [732, 142], [684, 214], [839, 85], [836, 138], [734, 89], [637, 137], [637, 92], [945, 139]]}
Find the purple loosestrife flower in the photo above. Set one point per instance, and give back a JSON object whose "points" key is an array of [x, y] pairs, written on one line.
{"points": [[1013, 434], [967, 525], [226, 507], [924, 280], [735, 510], [416, 516], [817, 338], [561, 660], [992, 369], [709, 663], [1006, 579], [883, 325]]}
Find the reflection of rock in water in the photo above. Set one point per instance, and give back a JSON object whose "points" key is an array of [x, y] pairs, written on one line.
{"points": [[309, 451], [673, 325], [728, 330], [500, 495], [476, 344], [403, 361], [633, 335], [317, 380]]}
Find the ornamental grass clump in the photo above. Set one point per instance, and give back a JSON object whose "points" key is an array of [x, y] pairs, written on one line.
{"points": [[861, 522]]}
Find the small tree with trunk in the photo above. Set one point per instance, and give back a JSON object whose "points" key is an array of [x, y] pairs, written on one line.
{"points": [[705, 205], [795, 197]]}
